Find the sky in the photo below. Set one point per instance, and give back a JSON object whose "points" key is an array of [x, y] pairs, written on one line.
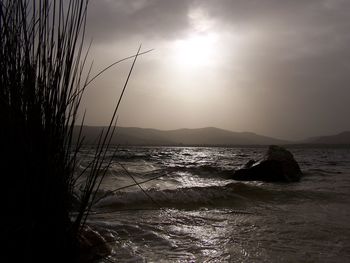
{"points": [[276, 68]]}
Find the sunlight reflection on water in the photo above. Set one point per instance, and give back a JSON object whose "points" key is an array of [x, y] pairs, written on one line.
{"points": [[250, 222]]}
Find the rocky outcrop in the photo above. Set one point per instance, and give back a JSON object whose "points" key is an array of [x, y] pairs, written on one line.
{"points": [[278, 165], [93, 244]]}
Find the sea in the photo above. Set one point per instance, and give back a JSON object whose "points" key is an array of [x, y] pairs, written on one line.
{"points": [[178, 204]]}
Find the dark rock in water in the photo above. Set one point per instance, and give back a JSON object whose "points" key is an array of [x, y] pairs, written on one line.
{"points": [[278, 165], [93, 245]]}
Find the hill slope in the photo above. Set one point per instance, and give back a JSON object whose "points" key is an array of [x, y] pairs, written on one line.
{"points": [[341, 138], [204, 136]]}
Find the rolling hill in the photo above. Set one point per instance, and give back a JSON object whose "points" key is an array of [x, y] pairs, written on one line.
{"points": [[342, 138], [209, 136]]}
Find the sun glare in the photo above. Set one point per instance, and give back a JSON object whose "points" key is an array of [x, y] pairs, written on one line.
{"points": [[195, 51]]}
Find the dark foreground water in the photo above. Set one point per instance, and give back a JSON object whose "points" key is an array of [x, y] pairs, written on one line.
{"points": [[193, 213]]}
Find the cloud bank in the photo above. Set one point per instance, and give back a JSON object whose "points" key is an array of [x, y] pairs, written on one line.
{"points": [[281, 68]]}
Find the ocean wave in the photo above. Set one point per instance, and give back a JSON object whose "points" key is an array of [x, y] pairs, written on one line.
{"points": [[206, 170], [321, 172], [232, 195], [126, 156]]}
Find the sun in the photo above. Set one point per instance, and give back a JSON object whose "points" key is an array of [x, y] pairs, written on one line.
{"points": [[195, 51]]}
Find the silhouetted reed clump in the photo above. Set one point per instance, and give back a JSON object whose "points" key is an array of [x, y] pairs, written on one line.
{"points": [[41, 86]]}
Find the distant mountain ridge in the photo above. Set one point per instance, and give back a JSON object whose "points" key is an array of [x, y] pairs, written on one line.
{"points": [[208, 136], [342, 138]]}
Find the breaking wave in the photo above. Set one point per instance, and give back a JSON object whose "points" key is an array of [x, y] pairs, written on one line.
{"points": [[232, 195]]}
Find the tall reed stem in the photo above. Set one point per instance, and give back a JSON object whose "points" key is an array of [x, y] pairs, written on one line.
{"points": [[41, 87]]}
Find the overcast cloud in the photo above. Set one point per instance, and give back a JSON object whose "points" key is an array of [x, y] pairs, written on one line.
{"points": [[279, 68]]}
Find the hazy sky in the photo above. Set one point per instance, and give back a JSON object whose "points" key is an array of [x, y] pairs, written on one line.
{"points": [[277, 68]]}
